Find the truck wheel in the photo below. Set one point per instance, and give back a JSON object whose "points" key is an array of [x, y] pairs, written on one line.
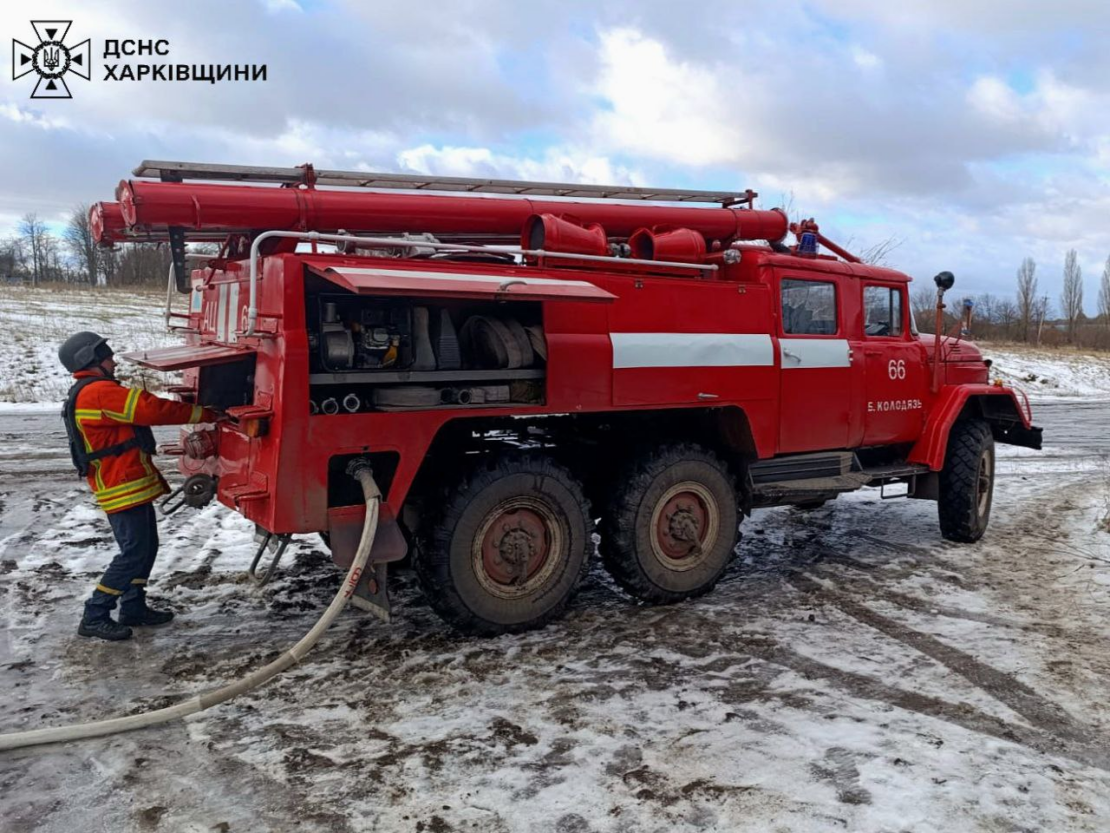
{"points": [[509, 547], [967, 482], [672, 525]]}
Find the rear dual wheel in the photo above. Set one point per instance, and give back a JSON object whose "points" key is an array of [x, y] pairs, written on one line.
{"points": [[672, 525], [509, 546]]}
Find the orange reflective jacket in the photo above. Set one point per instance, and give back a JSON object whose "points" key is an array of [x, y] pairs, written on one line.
{"points": [[105, 412]]}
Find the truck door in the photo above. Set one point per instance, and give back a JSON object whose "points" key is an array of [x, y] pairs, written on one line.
{"points": [[895, 370], [815, 381]]}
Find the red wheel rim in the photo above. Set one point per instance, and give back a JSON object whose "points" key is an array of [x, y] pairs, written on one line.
{"points": [[684, 526], [681, 525], [516, 548]]}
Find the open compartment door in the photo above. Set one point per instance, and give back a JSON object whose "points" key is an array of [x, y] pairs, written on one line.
{"points": [[426, 283], [187, 355]]}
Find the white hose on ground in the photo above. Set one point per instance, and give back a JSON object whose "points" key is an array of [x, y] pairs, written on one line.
{"points": [[80, 731]]}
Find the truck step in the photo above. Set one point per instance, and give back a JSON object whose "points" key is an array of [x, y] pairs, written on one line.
{"points": [[814, 486], [807, 489], [897, 471], [793, 467]]}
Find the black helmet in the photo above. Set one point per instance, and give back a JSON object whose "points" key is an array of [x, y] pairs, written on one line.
{"points": [[82, 350]]}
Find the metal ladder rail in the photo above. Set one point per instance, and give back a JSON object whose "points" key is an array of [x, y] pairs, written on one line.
{"points": [[307, 175]]}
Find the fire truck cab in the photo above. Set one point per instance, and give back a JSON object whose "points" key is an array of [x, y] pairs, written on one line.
{"points": [[526, 374]]}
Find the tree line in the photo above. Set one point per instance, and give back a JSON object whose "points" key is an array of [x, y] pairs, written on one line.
{"points": [[1030, 315], [35, 255]]}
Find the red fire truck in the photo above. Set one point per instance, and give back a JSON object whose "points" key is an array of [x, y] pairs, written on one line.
{"points": [[520, 359]]}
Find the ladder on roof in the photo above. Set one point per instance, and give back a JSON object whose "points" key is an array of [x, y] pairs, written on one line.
{"points": [[307, 175]]}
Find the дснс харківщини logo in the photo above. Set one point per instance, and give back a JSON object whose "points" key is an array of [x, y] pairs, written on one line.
{"points": [[51, 59]]}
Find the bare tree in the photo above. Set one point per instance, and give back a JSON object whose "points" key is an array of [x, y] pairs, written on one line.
{"points": [[1007, 316], [876, 254], [984, 315], [1027, 295], [12, 259], [109, 265], [923, 303], [1104, 295], [879, 253], [141, 263], [1071, 299], [53, 268], [1042, 309], [786, 203], [33, 231], [986, 308], [79, 240]]}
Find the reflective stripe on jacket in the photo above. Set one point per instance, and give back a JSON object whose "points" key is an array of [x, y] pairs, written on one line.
{"points": [[104, 413]]}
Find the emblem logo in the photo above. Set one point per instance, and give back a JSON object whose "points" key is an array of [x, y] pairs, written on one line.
{"points": [[51, 59]]}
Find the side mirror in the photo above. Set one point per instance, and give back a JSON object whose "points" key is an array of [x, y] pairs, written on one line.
{"points": [[944, 281]]}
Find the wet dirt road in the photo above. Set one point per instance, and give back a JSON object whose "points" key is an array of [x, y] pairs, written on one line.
{"points": [[851, 672], [1075, 424]]}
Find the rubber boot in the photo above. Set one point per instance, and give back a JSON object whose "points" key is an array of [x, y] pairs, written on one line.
{"points": [[104, 629], [145, 617]]}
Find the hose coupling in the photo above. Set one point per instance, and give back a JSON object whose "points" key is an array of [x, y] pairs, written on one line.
{"points": [[360, 469]]}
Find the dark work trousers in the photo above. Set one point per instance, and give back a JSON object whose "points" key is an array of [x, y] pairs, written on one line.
{"points": [[136, 531]]}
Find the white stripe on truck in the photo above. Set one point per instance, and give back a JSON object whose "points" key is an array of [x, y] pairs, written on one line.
{"points": [[691, 350], [803, 353]]}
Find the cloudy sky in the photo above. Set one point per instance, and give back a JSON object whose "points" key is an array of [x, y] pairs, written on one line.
{"points": [[975, 131]]}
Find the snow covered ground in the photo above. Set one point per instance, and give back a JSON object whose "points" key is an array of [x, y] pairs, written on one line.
{"points": [[35, 322], [851, 672], [1050, 374]]}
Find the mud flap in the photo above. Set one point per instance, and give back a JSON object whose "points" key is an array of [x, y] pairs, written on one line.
{"points": [[344, 532], [372, 591], [926, 486]]}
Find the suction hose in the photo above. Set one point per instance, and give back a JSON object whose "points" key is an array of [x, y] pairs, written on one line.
{"points": [[360, 470]]}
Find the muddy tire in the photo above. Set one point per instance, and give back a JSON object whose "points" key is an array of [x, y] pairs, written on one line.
{"points": [[509, 546], [672, 524], [967, 482]]}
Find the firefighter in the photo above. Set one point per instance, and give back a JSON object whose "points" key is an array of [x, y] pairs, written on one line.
{"points": [[111, 444]]}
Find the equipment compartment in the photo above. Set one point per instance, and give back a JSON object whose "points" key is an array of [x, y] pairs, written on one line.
{"points": [[387, 354], [227, 385]]}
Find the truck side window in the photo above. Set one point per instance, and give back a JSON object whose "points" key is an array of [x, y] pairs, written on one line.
{"points": [[808, 307], [882, 311]]}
